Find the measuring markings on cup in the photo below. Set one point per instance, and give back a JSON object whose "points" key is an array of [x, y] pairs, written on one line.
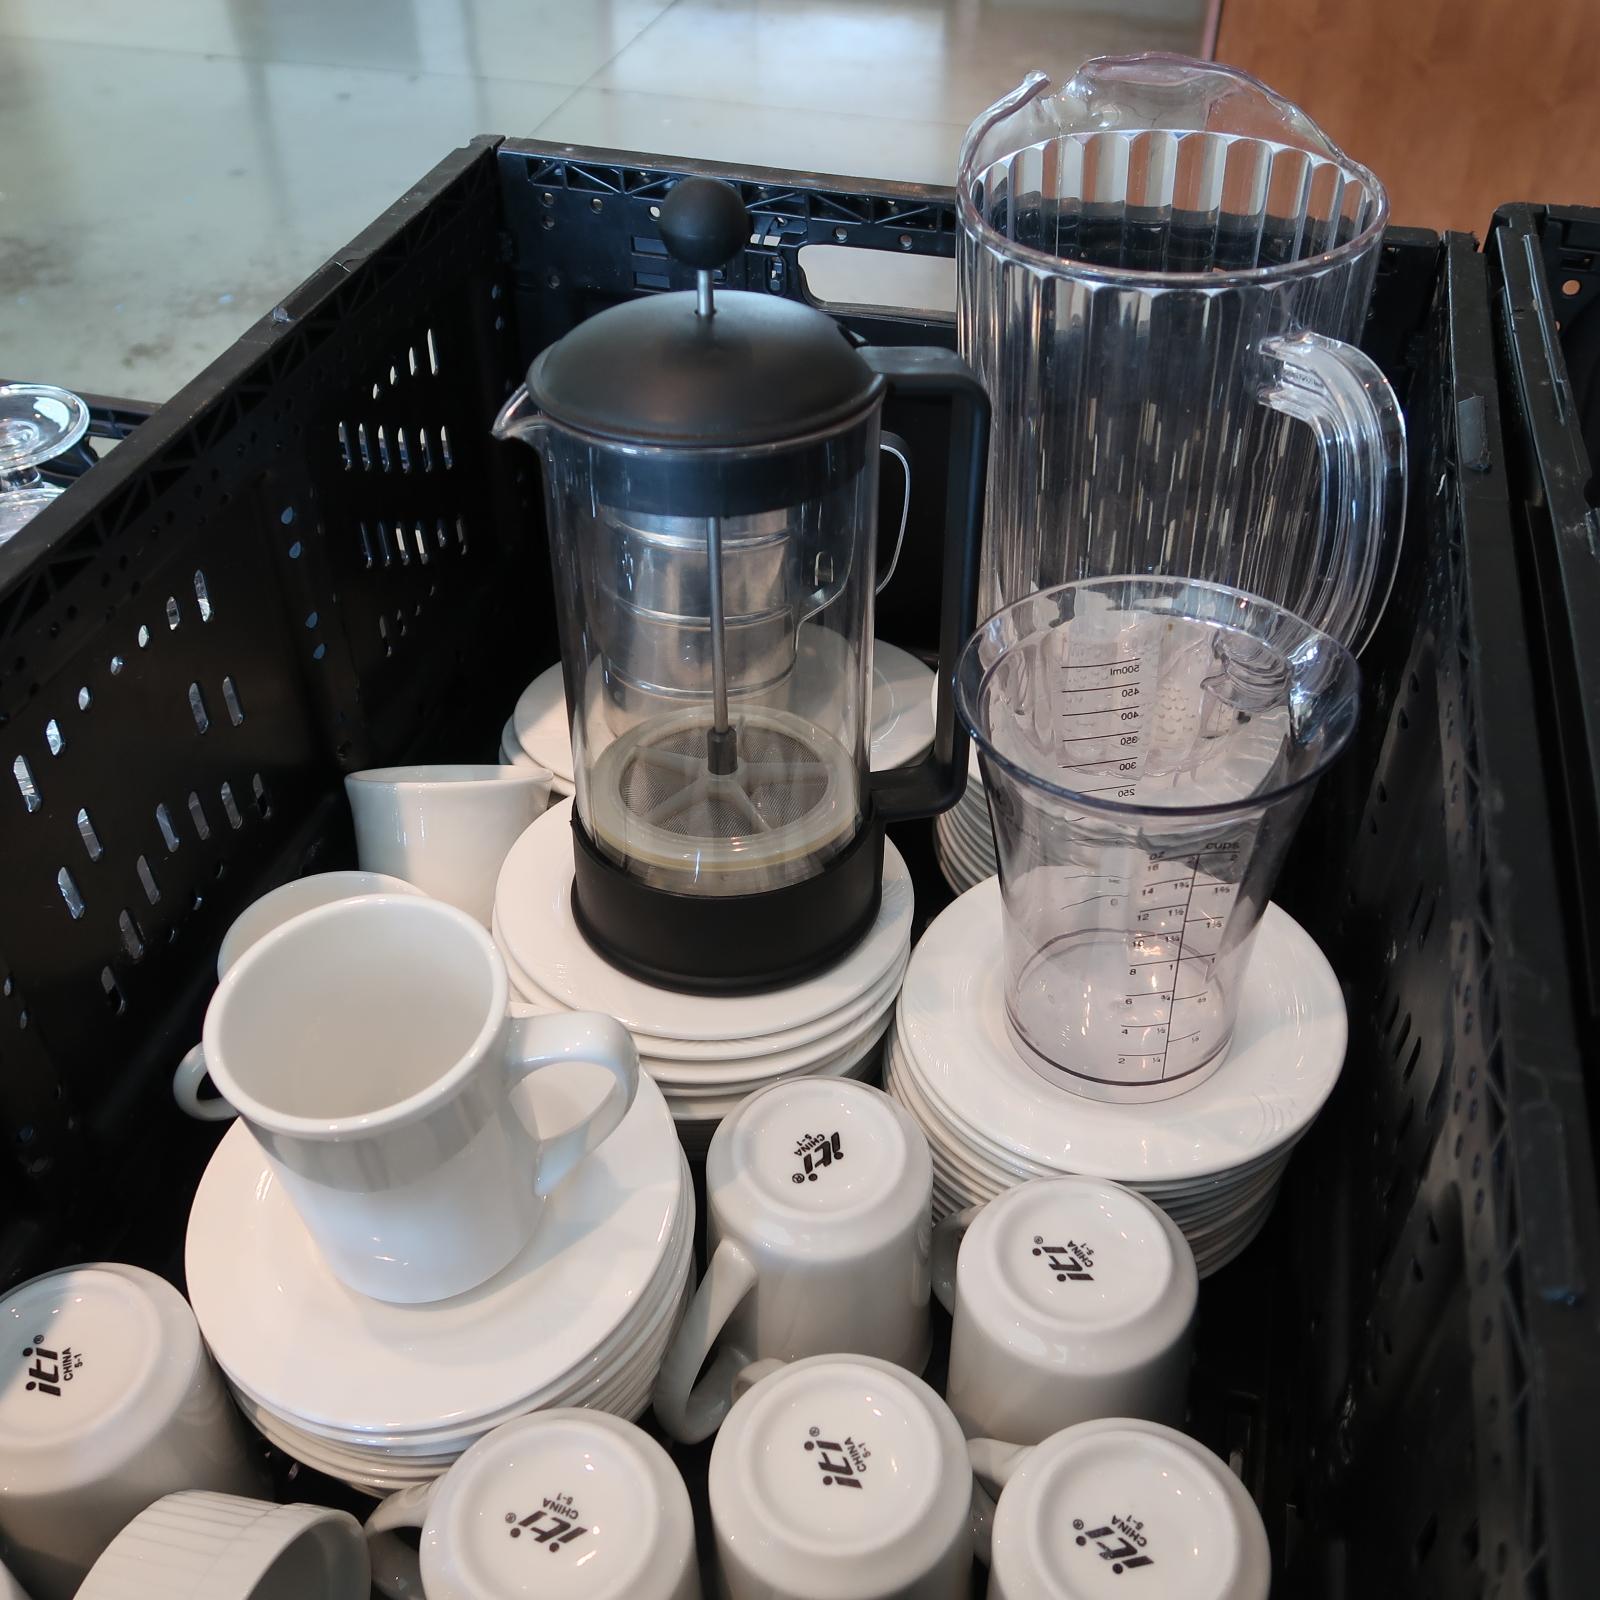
{"points": [[1130, 976]]}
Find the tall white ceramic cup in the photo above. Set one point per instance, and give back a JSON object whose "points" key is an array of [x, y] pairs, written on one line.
{"points": [[253, 924], [108, 1400], [566, 1504], [819, 1197], [1072, 1298], [218, 1547], [1107, 1505], [368, 1045], [840, 1478], [446, 829]]}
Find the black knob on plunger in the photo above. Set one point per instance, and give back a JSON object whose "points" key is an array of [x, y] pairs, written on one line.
{"points": [[704, 223]]}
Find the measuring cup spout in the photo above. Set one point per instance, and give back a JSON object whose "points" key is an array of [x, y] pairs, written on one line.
{"points": [[520, 419]]}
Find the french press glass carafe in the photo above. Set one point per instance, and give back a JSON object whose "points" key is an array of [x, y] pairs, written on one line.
{"points": [[711, 488]]}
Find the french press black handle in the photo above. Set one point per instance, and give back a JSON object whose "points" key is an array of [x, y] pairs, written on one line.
{"points": [[936, 782]]}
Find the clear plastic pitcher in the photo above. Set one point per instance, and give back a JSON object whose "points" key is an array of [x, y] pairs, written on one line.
{"points": [[1148, 746], [1163, 268]]}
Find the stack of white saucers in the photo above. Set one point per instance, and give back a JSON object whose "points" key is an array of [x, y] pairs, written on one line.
{"points": [[963, 839], [383, 1396], [902, 709], [1211, 1158], [707, 1052]]}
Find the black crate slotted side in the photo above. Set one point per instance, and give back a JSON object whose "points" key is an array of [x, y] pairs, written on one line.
{"points": [[1443, 1211]]}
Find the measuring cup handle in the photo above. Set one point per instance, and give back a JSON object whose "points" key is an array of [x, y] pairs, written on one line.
{"points": [[934, 783], [1343, 396]]}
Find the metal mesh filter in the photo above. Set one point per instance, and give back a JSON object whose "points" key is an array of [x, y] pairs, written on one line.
{"points": [[778, 780]]}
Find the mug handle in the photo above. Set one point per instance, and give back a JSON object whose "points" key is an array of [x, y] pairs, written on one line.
{"points": [[692, 1411], [396, 1572], [186, 1080], [539, 1041], [947, 1239], [992, 1466]]}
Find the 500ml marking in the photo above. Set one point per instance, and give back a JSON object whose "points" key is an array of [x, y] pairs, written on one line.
{"points": [[1122, 1542]]}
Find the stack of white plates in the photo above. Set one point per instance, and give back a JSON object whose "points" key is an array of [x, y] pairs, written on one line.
{"points": [[1211, 1158], [384, 1396], [902, 709], [707, 1052], [963, 839]]}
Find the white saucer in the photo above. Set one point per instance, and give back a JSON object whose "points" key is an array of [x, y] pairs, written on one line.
{"points": [[260, 1289], [1288, 1047], [539, 723], [713, 1056], [902, 707], [533, 904]]}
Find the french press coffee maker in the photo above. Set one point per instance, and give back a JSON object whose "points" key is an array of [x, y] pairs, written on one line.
{"points": [[711, 489]]}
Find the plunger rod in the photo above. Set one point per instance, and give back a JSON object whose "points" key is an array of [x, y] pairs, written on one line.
{"points": [[720, 752]]}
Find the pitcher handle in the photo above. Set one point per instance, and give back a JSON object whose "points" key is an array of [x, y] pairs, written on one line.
{"points": [[891, 444], [1343, 396]]}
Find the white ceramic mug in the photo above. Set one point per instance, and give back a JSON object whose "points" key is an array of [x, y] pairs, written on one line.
{"points": [[108, 1400], [567, 1504], [1072, 1298], [446, 829], [1118, 1499], [840, 1476], [253, 924], [819, 1196], [368, 1045], [218, 1547]]}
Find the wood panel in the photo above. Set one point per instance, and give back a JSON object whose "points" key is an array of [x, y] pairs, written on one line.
{"points": [[1457, 105]]}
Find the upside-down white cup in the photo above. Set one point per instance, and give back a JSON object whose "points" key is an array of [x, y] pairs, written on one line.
{"points": [[108, 1401], [253, 924], [1071, 1298], [218, 1547], [840, 1478], [447, 829], [566, 1504], [819, 1196], [368, 1045], [1097, 1508]]}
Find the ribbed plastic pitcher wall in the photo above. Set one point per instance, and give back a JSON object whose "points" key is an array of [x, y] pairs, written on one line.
{"points": [[1128, 436]]}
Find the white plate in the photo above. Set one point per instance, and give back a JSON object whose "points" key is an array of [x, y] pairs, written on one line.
{"points": [[533, 902], [902, 713], [336, 1457], [862, 1037], [984, 1159], [725, 1054], [1192, 1212], [261, 1291], [609, 1358], [695, 1116], [539, 723], [1288, 1047], [902, 707]]}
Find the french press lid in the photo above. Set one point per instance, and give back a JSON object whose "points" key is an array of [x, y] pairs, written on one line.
{"points": [[698, 370]]}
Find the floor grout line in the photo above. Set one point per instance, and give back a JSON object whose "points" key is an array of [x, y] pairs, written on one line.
{"points": [[589, 83]]}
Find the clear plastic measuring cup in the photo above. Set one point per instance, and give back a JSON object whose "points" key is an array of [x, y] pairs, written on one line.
{"points": [[1149, 746]]}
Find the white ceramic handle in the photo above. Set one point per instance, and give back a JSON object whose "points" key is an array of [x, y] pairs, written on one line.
{"points": [[395, 1570], [748, 1377], [186, 1081], [947, 1239], [692, 1411], [582, 1036], [992, 1466]]}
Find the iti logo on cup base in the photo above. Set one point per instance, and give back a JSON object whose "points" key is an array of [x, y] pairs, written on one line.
{"points": [[555, 1524], [816, 1153], [1070, 1260], [50, 1369], [1122, 1542], [842, 1464]]}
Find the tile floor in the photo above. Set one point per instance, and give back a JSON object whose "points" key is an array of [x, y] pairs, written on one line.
{"points": [[176, 166]]}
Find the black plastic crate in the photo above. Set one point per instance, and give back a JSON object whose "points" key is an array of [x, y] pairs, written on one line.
{"points": [[315, 558]]}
